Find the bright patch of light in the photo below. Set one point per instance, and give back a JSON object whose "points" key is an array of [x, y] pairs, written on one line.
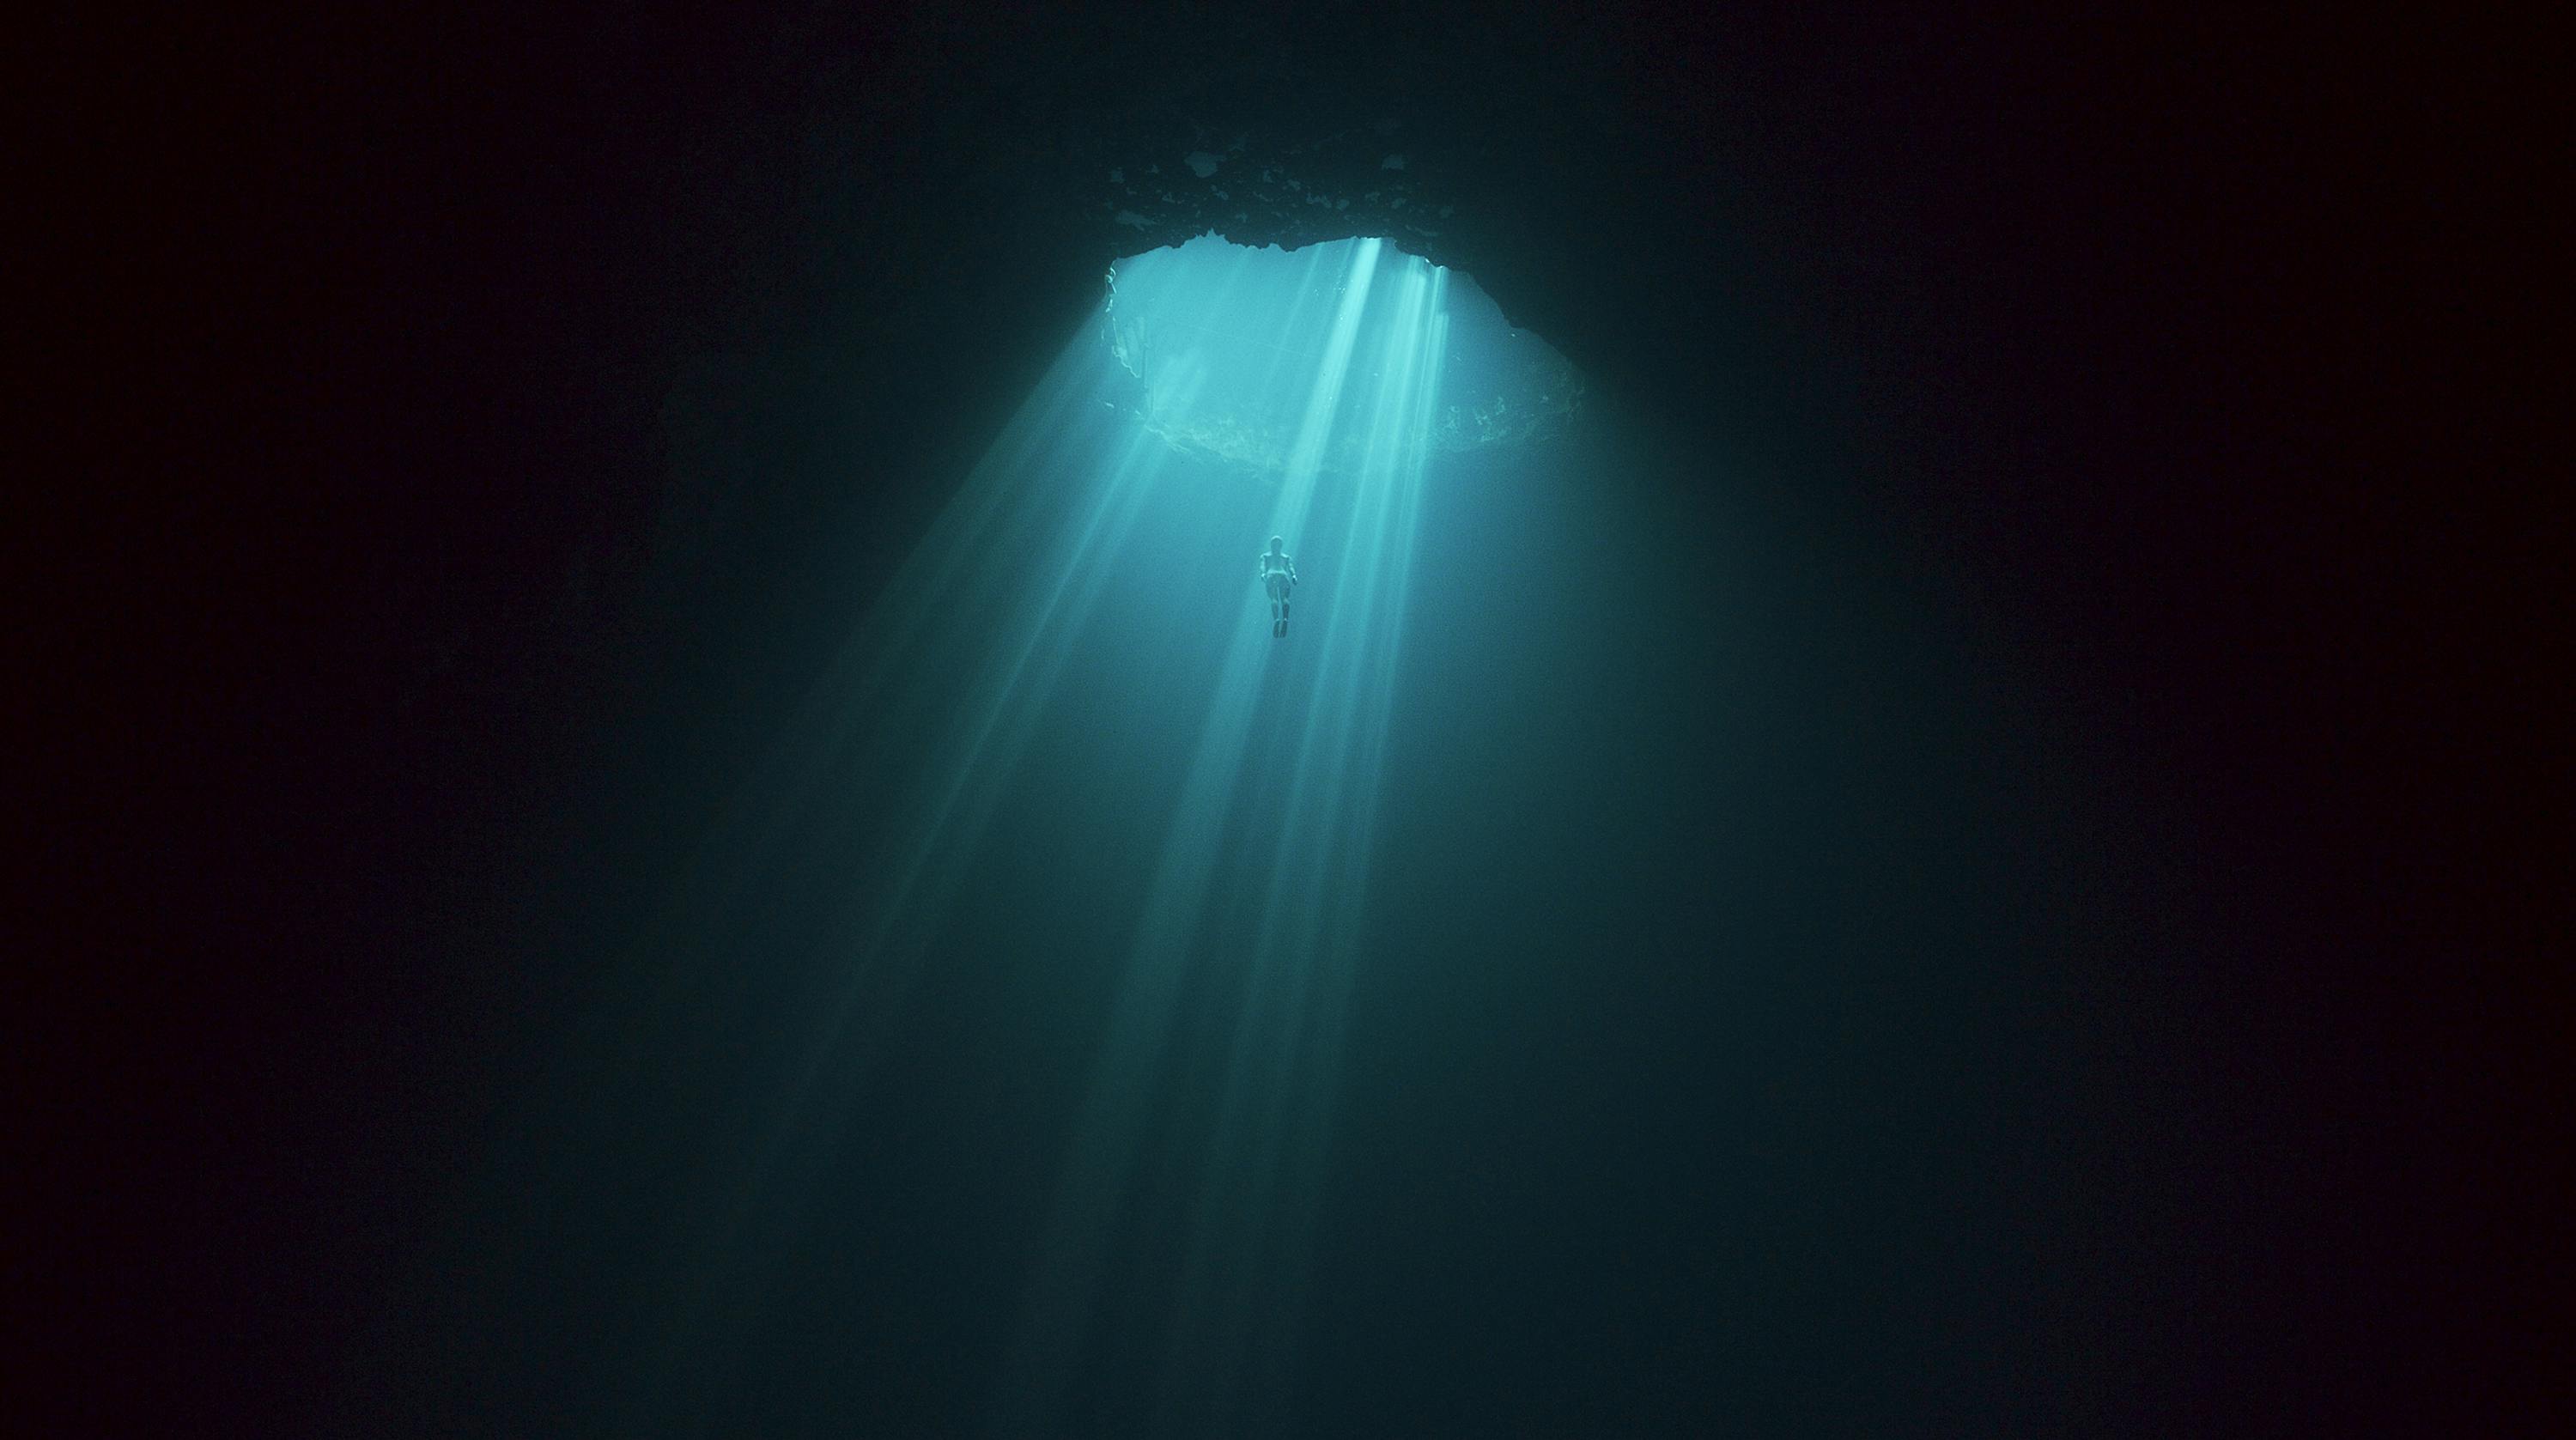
{"points": [[1222, 324]]}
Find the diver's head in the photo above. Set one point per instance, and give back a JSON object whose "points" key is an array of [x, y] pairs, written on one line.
{"points": [[1274, 544]]}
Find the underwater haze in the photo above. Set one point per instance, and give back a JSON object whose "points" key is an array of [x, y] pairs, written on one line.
{"points": [[1523, 985]]}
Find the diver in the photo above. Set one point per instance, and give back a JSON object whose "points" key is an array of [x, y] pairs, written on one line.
{"points": [[1278, 574]]}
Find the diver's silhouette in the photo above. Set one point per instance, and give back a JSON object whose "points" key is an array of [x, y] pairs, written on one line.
{"points": [[1278, 574]]}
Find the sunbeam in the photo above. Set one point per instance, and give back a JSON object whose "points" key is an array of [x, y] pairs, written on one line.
{"points": [[1081, 646], [1280, 914]]}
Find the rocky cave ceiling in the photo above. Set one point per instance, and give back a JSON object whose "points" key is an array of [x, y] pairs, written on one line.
{"points": [[1473, 141]]}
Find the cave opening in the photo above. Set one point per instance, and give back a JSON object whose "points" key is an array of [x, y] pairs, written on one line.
{"points": [[1223, 341]]}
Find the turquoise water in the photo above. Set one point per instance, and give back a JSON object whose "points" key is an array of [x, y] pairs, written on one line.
{"points": [[1107, 1014]]}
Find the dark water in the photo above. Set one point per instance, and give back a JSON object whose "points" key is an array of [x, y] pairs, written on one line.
{"points": [[1668, 1000]]}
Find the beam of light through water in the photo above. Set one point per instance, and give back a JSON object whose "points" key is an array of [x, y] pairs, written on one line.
{"points": [[1222, 1017], [1264, 1145]]}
